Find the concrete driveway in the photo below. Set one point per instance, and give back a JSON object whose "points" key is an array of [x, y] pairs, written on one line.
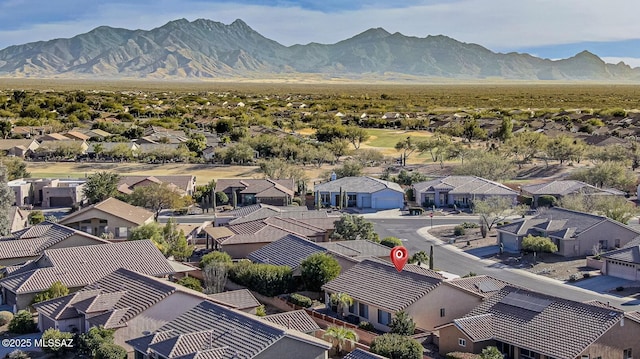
{"points": [[601, 283]]}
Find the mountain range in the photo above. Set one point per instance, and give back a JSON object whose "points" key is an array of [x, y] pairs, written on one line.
{"points": [[209, 49]]}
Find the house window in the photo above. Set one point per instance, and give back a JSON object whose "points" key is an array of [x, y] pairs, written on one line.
{"points": [[442, 312], [363, 310], [527, 354], [121, 232], [626, 354], [352, 308], [462, 342], [384, 318]]}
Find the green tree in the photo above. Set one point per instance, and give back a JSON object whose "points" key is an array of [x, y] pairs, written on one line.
{"points": [[191, 283], [407, 146], [151, 231], [88, 343], [356, 135], [342, 301], [349, 168], [607, 174], [59, 339], [177, 245], [351, 227], [505, 131], [471, 130], [614, 207], [110, 351], [318, 269], [564, 148], [525, 146], [36, 217], [402, 324], [157, 197], [489, 165], [339, 336], [5, 128], [22, 323], [495, 209], [215, 257], [491, 352], [222, 198], [419, 257], [538, 244], [394, 346], [391, 242], [7, 198], [56, 290], [16, 168], [100, 186]]}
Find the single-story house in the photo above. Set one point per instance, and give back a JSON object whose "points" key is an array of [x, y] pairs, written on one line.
{"points": [[360, 192], [624, 262], [214, 331], [184, 183], [18, 148], [575, 233], [30, 243], [76, 135], [126, 301], [241, 299], [322, 218], [379, 291], [276, 192], [290, 251], [48, 193], [460, 191], [561, 188], [77, 267], [525, 324], [238, 240], [111, 216]]}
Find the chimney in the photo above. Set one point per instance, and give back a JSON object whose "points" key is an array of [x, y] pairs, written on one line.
{"points": [[333, 176]]}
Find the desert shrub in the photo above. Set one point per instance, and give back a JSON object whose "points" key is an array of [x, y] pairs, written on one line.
{"points": [[468, 225], [297, 201], [190, 282], [461, 355], [526, 200], [300, 300], [459, 230], [5, 317], [366, 326], [574, 277], [546, 201], [18, 354], [215, 257], [22, 323], [261, 311], [391, 242]]}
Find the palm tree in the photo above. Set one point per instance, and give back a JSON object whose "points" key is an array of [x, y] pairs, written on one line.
{"points": [[339, 335], [342, 301]]}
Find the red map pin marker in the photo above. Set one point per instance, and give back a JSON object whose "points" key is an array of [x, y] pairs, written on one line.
{"points": [[399, 257]]}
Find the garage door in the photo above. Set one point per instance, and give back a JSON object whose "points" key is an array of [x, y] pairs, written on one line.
{"points": [[366, 201], [386, 203], [60, 201], [622, 270]]}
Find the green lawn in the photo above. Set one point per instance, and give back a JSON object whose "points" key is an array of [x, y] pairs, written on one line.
{"points": [[384, 138]]}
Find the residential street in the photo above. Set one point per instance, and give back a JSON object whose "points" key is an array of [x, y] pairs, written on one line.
{"points": [[451, 259]]}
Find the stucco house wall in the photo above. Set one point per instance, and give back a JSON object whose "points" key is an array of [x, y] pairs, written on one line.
{"points": [[449, 341], [611, 345], [93, 218], [286, 347], [455, 302]]}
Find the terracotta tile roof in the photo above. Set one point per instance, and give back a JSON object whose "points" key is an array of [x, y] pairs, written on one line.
{"points": [[33, 241], [361, 354], [117, 208], [482, 285], [379, 284], [211, 326], [237, 299], [79, 266], [297, 319], [531, 320], [289, 250]]}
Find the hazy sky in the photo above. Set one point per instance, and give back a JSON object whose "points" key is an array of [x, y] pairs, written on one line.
{"points": [[546, 28]]}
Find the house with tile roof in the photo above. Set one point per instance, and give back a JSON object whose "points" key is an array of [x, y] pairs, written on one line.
{"points": [[111, 216], [360, 192], [239, 240], [525, 324], [322, 218], [575, 233], [30, 243], [296, 319], [213, 331], [183, 183], [460, 191], [275, 192], [126, 301], [241, 299], [76, 135], [561, 188], [624, 262], [290, 250], [18, 148], [77, 267]]}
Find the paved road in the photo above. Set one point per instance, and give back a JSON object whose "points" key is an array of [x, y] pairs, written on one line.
{"points": [[450, 259]]}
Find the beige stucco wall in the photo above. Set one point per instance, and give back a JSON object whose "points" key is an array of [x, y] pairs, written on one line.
{"points": [[156, 316], [76, 240], [612, 344], [290, 348], [449, 342], [604, 231], [455, 302], [238, 251], [95, 216]]}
